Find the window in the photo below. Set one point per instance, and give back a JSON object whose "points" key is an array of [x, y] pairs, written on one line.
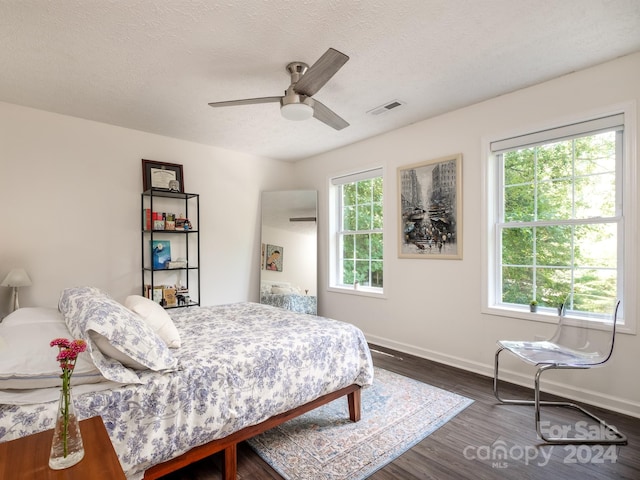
{"points": [[358, 224], [557, 215]]}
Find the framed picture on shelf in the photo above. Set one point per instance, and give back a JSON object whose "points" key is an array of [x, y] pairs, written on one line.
{"points": [[161, 250], [431, 209], [157, 294], [162, 176]]}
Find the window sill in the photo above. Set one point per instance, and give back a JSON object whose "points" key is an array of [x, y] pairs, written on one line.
{"points": [[360, 291], [543, 315]]}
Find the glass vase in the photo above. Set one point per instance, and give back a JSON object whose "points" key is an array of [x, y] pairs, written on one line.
{"points": [[66, 448]]}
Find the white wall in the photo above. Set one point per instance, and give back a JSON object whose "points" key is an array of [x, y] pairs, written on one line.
{"points": [[70, 192], [433, 307]]}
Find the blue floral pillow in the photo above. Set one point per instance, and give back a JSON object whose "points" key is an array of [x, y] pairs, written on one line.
{"points": [[114, 334]]}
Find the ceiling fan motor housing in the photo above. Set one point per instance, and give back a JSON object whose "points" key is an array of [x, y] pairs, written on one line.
{"points": [[296, 107]]}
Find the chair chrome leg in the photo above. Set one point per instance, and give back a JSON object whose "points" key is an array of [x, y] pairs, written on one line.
{"points": [[507, 401], [611, 435]]}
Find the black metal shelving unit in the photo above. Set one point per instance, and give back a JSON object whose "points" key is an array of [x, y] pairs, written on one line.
{"points": [[185, 241]]}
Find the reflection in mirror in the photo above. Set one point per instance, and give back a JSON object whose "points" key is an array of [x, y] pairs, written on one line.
{"points": [[288, 275]]}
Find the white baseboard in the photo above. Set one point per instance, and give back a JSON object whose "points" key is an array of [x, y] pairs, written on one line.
{"points": [[590, 397]]}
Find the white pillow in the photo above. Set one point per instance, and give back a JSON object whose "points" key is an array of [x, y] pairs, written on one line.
{"points": [[156, 317], [30, 315], [28, 361], [281, 290]]}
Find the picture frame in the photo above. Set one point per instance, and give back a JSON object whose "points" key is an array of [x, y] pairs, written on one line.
{"points": [[161, 254], [430, 209], [274, 257], [157, 175]]}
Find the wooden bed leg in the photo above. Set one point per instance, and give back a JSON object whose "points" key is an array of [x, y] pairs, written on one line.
{"points": [[230, 462], [355, 405]]}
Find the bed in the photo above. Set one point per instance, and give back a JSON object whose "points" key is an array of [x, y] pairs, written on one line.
{"points": [[284, 295], [233, 372]]}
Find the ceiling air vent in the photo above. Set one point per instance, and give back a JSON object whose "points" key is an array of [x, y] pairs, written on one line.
{"points": [[386, 107]]}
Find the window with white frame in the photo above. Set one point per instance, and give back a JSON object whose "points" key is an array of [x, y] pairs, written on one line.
{"points": [[557, 215], [357, 260]]}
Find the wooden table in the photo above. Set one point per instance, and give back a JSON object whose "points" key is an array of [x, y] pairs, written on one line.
{"points": [[27, 458]]}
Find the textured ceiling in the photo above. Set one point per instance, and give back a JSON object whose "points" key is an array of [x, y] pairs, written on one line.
{"points": [[154, 65]]}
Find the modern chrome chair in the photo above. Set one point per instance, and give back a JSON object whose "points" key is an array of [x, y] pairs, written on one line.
{"points": [[583, 339]]}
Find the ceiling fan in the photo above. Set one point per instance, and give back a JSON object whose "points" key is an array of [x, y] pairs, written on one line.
{"points": [[296, 103]]}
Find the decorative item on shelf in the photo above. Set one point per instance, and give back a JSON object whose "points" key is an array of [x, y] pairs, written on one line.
{"points": [[14, 279], [169, 297], [158, 221], [67, 448], [177, 264], [182, 295], [174, 186], [170, 222], [533, 306]]}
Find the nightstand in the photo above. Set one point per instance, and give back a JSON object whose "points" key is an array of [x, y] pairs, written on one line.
{"points": [[27, 458]]}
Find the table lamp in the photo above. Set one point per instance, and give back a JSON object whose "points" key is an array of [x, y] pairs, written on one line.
{"points": [[16, 278]]}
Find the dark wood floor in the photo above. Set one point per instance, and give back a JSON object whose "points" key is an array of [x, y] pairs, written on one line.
{"points": [[459, 449]]}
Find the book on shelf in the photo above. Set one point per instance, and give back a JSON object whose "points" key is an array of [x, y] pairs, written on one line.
{"points": [[146, 214]]}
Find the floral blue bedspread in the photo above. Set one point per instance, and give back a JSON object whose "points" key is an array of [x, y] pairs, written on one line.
{"points": [[239, 364], [291, 301]]}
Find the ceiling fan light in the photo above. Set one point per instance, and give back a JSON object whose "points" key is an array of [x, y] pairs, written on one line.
{"points": [[296, 111]]}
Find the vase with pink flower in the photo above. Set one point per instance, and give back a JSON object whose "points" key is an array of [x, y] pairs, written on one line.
{"points": [[66, 448]]}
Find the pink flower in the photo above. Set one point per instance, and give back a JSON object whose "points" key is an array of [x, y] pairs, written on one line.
{"points": [[78, 346], [60, 342]]}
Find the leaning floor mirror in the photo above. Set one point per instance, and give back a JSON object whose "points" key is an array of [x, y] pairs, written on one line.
{"points": [[288, 272]]}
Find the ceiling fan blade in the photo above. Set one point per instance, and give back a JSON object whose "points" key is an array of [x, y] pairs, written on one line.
{"points": [[327, 116], [320, 72], [246, 101]]}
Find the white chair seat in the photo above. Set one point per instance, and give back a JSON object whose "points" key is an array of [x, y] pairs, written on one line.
{"points": [[549, 353]]}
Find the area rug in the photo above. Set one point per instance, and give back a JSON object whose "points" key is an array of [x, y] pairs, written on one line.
{"points": [[397, 413]]}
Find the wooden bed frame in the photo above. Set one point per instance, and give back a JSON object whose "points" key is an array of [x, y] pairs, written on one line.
{"points": [[230, 442]]}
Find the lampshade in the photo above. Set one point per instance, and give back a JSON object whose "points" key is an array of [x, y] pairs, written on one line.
{"points": [[16, 278], [296, 111]]}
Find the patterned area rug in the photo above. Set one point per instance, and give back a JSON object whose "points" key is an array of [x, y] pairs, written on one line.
{"points": [[397, 413]]}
